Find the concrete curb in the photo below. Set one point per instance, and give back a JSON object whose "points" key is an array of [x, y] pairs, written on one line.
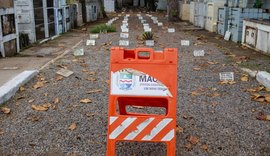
{"points": [[262, 77], [10, 88]]}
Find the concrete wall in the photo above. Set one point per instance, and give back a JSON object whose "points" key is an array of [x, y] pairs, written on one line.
{"points": [[262, 35], [25, 16], [6, 4], [184, 11]]}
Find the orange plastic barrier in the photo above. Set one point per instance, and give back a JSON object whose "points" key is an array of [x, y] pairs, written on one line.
{"points": [[142, 77]]}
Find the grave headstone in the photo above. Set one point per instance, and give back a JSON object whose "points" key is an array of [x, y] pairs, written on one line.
{"points": [[123, 43], [198, 53], [226, 76], [124, 35], [93, 36], [90, 42], [171, 30], [150, 43], [79, 52], [185, 43], [160, 24], [227, 36]]}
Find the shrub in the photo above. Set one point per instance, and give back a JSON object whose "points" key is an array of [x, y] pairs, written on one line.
{"points": [[103, 28], [147, 36]]}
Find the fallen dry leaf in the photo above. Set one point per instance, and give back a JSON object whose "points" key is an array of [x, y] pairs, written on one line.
{"points": [[22, 89], [39, 84], [193, 140], [56, 100], [85, 65], [73, 126], [244, 78], [85, 101], [194, 93], [43, 107], [204, 147], [59, 77], [32, 100], [188, 146], [196, 69], [226, 82], [216, 94], [1, 132], [261, 116], [179, 129], [267, 118], [85, 70], [33, 118], [257, 97], [212, 62], [64, 66], [91, 79], [5, 110], [94, 91]]}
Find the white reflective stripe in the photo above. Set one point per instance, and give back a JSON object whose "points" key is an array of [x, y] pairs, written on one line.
{"points": [[121, 127], [157, 129], [140, 128], [168, 136], [112, 119]]}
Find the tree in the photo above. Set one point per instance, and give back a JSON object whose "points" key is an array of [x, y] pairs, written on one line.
{"points": [[172, 10]]}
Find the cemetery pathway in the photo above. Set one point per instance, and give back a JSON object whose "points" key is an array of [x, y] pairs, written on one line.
{"points": [[56, 115]]}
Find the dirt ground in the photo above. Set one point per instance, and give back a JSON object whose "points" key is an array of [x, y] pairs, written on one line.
{"points": [[212, 118]]}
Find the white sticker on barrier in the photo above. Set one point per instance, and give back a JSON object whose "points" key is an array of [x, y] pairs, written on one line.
{"points": [[132, 82], [150, 43], [198, 53], [185, 43], [226, 76], [171, 30], [123, 43], [124, 35], [90, 42]]}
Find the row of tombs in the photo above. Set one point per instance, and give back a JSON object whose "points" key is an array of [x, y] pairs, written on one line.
{"points": [[23, 22], [242, 21]]}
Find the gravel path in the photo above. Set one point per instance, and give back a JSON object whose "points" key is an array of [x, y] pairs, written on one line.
{"points": [[222, 118]]}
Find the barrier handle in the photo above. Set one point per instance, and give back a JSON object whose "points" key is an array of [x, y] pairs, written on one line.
{"points": [[144, 54]]}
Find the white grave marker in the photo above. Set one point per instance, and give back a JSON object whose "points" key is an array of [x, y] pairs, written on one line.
{"points": [[123, 43], [226, 76], [148, 29], [93, 36], [79, 52], [227, 36], [185, 43], [90, 42], [124, 35], [171, 30], [160, 24], [198, 53], [150, 43], [65, 72], [124, 30]]}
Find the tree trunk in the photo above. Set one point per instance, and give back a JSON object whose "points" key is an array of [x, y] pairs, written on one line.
{"points": [[102, 9], [172, 10]]}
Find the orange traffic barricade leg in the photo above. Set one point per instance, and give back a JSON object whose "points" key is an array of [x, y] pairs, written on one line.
{"points": [[142, 77]]}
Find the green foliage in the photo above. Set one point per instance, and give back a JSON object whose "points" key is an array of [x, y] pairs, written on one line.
{"points": [[147, 36], [258, 4], [103, 28]]}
